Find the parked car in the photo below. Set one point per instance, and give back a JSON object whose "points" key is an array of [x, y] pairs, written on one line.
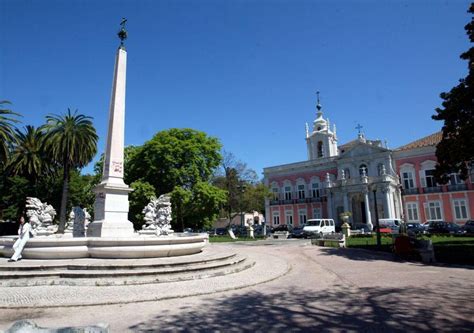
{"points": [[319, 227], [298, 232], [188, 230], [468, 227], [362, 228], [415, 229], [441, 227], [282, 227], [220, 231]]}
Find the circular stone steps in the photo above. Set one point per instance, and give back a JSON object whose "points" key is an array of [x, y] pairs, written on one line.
{"points": [[122, 272]]}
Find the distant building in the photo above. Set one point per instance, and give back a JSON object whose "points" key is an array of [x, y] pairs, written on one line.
{"points": [[355, 176], [241, 219]]}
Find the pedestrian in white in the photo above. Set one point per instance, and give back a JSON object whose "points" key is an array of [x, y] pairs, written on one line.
{"points": [[24, 235]]}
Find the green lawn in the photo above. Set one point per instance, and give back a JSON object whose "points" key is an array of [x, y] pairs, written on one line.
{"points": [[224, 239], [448, 249]]}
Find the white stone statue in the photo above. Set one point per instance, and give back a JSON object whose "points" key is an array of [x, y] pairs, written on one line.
{"points": [[41, 216], [69, 223], [158, 216], [78, 229], [87, 218]]}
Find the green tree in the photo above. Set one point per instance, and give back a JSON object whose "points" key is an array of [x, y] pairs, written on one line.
{"points": [[455, 152], [71, 140], [176, 157], [142, 194], [196, 207], [238, 181], [29, 158], [7, 131]]}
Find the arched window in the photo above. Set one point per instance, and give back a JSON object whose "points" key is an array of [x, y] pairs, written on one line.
{"points": [[347, 173], [363, 170], [320, 149], [381, 169]]}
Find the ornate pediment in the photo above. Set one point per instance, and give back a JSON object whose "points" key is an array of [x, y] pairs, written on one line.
{"points": [[360, 149]]}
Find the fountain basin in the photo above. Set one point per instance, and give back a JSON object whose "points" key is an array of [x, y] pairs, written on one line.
{"points": [[60, 247]]}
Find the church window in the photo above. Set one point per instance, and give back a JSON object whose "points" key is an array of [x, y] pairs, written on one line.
{"points": [[315, 190], [347, 173], [460, 210], [301, 191], [433, 211], [429, 178], [320, 149], [289, 217], [407, 178], [412, 212], [275, 193], [380, 169], [276, 218], [454, 179], [287, 192], [316, 213], [302, 216], [363, 170]]}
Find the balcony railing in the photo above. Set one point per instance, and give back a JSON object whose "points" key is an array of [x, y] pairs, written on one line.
{"points": [[275, 202], [457, 187], [408, 191], [434, 189]]}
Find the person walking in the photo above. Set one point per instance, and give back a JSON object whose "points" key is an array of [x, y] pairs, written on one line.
{"points": [[24, 235]]}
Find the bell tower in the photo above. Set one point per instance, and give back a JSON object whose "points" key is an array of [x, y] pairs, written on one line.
{"points": [[321, 142]]}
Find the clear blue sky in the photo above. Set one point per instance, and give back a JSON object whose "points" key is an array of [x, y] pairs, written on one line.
{"points": [[243, 71]]}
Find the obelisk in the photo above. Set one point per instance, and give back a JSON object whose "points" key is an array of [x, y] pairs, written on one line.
{"points": [[111, 195]]}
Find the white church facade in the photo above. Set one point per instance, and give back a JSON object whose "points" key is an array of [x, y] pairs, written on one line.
{"points": [[365, 178]]}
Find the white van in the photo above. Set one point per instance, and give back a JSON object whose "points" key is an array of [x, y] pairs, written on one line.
{"points": [[393, 224], [319, 227]]}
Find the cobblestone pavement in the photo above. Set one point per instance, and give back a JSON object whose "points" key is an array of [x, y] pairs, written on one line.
{"points": [[326, 289]]}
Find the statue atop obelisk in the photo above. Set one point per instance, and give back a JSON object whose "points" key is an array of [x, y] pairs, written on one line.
{"points": [[111, 199]]}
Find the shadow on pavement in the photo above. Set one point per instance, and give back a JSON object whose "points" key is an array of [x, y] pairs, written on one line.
{"points": [[439, 308]]}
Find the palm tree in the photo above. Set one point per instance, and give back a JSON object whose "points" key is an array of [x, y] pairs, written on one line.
{"points": [[71, 140], [7, 130], [28, 158]]}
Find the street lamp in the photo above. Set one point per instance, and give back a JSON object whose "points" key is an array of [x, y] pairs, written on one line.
{"points": [[241, 189], [377, 225]]}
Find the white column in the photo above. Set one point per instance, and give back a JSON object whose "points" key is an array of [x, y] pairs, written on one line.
{"points": [[387, 204], [111, 201], [367, 210]]}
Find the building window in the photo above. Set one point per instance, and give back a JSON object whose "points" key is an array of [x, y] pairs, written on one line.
{"points": [[460, 210], [315, 190], [363, 170], [412, 212], [276, 218], [301, 192], [275, 193], [287, 192], [454, 179], [433, 211], [320, 149], [316, 213], [289, 217], [429, 178], [380, 169], [302, 216], [347, 173], [407, 178]]}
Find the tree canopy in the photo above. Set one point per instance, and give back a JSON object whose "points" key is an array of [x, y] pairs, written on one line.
{"points": [[455, 152]]}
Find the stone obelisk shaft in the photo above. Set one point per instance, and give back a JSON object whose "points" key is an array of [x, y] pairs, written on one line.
{"points": [[111, 201]]}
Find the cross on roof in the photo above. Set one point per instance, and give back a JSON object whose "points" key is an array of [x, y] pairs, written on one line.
{"points": [[359, 127]]}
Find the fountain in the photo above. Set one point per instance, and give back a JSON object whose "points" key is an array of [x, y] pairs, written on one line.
{"points": [[110, 235]]}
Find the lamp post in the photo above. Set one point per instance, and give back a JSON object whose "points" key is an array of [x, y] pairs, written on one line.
{"points": [[241, 189], [377, 225]]}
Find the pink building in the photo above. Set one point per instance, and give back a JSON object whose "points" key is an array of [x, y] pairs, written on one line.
{"points": [[366, 178]]}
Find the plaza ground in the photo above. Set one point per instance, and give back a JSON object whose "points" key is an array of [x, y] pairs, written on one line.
{"points": [[309, 288]]}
